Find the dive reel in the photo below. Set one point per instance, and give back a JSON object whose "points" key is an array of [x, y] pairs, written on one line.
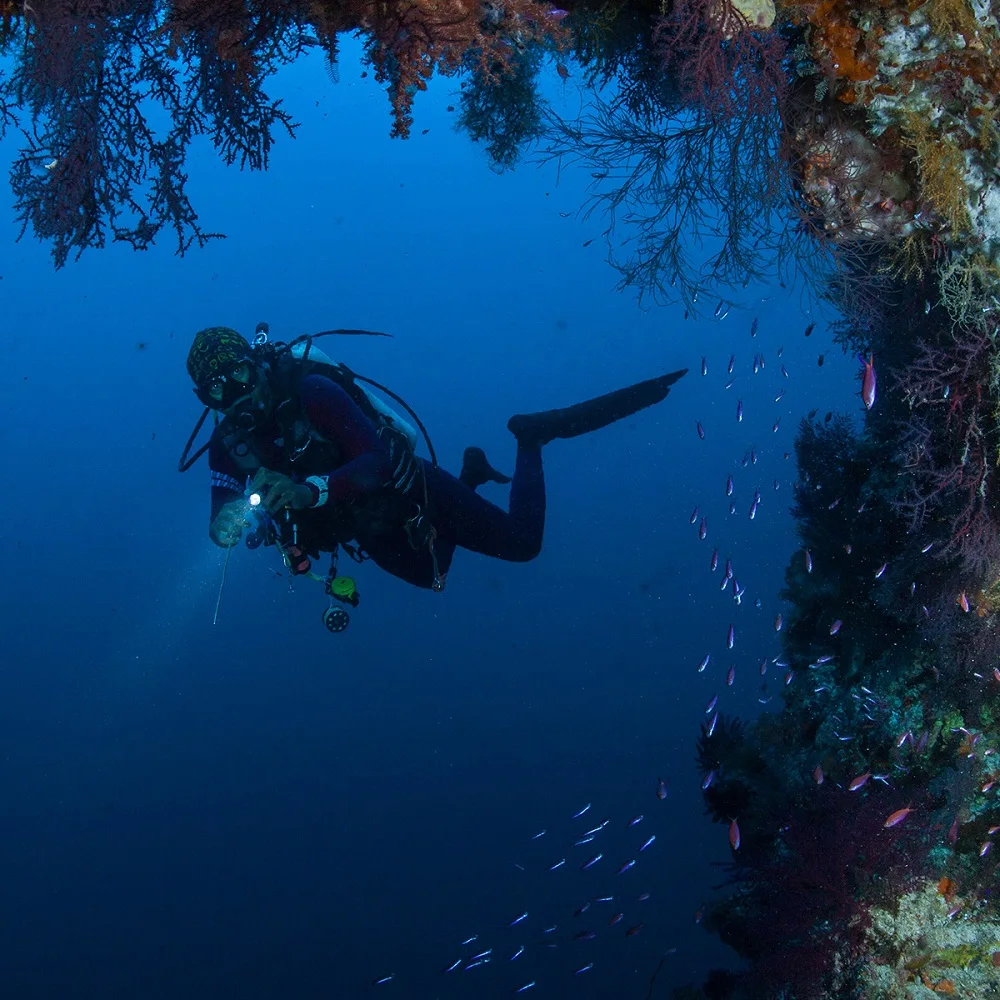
{"points": [[345, 590]]}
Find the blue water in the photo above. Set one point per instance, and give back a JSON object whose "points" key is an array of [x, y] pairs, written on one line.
{"points": [[261, 809]]}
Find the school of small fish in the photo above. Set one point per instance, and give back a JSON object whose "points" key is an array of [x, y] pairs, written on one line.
{"points": [[614, 903]]}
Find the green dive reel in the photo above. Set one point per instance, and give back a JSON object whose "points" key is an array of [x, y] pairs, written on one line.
{"points": [[344, 590]]}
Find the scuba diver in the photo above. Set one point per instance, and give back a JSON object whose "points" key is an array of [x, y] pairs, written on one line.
{"points": [[304, 457]]}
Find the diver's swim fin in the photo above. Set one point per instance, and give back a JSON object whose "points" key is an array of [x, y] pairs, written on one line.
{"points": [[540, 428], [476, 470]]}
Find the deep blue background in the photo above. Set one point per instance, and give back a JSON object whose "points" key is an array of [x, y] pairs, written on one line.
{"points": [[261, 809]]}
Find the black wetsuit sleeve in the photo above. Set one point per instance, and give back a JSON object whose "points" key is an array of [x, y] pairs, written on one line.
{"points": [[364, 459]]}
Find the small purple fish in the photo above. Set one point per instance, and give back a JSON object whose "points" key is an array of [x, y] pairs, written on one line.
{"points": [[739, 411], [701, 430], [703, 529], [711, 705], [704, 663], [731, 676], [704, 367], [714, 562], [625, 867], [634, 821], [777, 422], [729, 486], [730, 637], [556, 14], [809, 561], [707, 781], [753, 509], [661, 789], [835, 627], [519, 919], [590, 862], [647, 842], [732, 361], [881, 570], [694, 515], [580, 812], [712, 723]]}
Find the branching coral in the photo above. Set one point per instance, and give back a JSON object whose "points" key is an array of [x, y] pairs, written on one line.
{"points": [[949, 450]]}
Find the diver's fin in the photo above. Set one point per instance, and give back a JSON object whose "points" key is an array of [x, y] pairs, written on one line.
{"points": [[540, 428], [477, 470]]}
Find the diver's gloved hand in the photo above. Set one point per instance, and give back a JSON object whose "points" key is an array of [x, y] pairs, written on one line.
{"points": [[227, 526], [278, 492]]}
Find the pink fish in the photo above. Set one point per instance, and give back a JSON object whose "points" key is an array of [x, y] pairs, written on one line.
{"points": [[818, 776], [897, 817], [731, 675], [835, 627], [859, 782], [868, 381], [734, 835]]}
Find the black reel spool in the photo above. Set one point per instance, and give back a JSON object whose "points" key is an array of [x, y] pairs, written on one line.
{"points": [[336, 619]]}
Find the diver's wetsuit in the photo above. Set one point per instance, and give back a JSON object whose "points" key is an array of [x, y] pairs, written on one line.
{"points": [[459, 515]]}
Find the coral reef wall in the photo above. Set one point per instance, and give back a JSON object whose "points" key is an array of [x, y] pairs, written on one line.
{"points": [[865, 131]]}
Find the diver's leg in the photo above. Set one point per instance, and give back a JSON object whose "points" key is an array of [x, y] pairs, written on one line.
{"points": [[394, 554], [464, 518]]}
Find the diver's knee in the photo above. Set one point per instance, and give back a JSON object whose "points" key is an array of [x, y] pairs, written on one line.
{"points": [[530, 549]]}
